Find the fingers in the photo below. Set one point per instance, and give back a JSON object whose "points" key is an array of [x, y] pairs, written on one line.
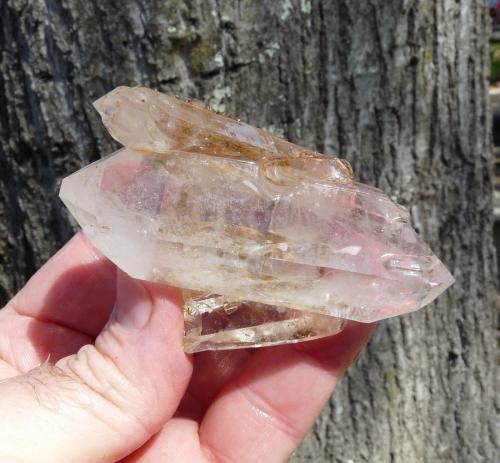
{"points": [[177, 442], [267, 411], [7, 370], [107, 400], [74, 289], [26, 342], [63, 307], [212, 370]]}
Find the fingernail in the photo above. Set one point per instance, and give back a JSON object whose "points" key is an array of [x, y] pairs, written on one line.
{"points": [[133, 304]]}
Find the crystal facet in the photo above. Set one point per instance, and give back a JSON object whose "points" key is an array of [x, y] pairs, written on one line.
{"points": [[271, 242]]}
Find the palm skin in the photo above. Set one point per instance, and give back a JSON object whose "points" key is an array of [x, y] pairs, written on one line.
{"points": [[95, 374]]}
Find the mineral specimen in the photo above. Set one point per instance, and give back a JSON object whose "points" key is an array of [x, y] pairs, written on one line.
{"points": [[271, 242]]}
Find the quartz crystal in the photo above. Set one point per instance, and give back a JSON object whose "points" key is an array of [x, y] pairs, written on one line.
{"points": [[270, 242]]}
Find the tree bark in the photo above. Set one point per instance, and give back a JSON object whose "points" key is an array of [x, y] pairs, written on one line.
{"points": [[398, 87]]}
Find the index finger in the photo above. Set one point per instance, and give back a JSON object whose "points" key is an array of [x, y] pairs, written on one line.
{"points": [[267, 411], [74, 289]]}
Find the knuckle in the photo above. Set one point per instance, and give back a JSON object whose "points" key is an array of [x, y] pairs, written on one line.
{"points": [[265, 409], [103, 377], [108, 392]]}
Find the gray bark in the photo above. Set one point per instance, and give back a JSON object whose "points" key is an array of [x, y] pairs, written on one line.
{"points": [[399, 87]]}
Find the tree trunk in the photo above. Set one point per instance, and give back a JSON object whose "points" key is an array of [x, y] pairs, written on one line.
{"points": [[398, 87]]}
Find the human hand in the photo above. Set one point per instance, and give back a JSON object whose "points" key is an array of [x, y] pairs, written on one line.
{"points": [[86, 376]]}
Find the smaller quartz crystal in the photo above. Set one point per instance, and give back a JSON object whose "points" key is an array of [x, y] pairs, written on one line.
{"points": [[272, 243]]}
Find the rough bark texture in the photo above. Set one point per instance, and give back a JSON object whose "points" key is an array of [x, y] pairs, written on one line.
{"points": [[398, 87]]}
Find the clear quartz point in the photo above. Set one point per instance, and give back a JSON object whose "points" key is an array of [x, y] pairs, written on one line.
{"points": [[271, 242], [214, 322]]}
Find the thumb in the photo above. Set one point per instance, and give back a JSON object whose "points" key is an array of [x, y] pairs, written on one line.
{"points": [[108, 399]]}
